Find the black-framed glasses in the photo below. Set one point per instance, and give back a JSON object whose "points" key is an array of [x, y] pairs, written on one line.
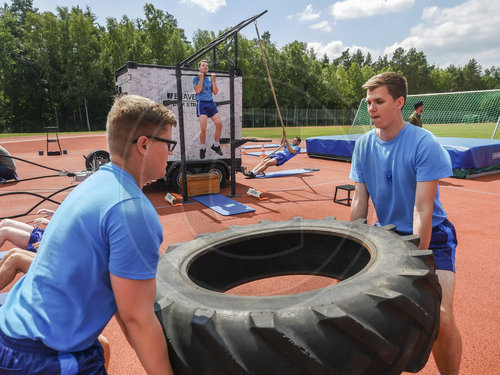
{"points": [[171, 144]]}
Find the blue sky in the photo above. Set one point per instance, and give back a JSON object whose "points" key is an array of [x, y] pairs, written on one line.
{"points": [[447, 31]]}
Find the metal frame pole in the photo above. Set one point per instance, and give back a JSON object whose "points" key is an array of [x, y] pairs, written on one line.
{"points": [[180, 112], [496, 127], [232, 131]]}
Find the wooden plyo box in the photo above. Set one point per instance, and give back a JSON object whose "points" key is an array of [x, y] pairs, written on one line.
{"points": [[203, 183]]}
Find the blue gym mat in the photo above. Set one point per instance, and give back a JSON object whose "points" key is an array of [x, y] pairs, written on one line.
{"points": [[3, 296], [223, 205], [2, 254], [288, 172]]}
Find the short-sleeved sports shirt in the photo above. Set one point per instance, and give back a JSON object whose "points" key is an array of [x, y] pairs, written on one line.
{"points": [[390, 170], [205, 94], [106, 225]]}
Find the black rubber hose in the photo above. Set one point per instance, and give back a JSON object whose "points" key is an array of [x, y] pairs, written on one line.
{"points": [[29, 179], [31, 162], [36, 195]]}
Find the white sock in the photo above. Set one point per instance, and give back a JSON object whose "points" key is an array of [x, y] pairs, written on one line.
{"points": [[203, 146], [216, 144]]}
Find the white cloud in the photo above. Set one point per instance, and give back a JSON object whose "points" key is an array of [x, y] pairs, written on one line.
{"points": [[350, 9], [457, 34], [211, 6], [323, 26], [335, 48], [307, 14]]}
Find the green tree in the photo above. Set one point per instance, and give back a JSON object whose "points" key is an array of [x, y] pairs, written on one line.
{"points": [[472, 75], [344, 59], [159, 27], [416, 71], [491, 78], [440, 81], [123, 41], [358, 58], [343, 87], [356, 80]]}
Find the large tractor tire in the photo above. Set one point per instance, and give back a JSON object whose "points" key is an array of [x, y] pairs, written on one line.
{"points": [[382, 317]]}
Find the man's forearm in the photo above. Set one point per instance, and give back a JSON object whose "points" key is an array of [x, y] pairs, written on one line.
{"points": [[215, 89], [423, 210], [149, 343], [358, 211], [359, 205], [422, 226]]}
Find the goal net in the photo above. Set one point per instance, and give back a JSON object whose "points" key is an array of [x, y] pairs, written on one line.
{"points": [[466, 114]]}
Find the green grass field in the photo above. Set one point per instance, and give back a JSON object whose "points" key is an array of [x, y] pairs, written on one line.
{"points": [[304, 132], [445, 130], [8, 135]]}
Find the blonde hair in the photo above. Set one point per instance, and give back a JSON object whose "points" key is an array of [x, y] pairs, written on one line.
{"points": [[395, 83], [132, 116], [202, 61]]}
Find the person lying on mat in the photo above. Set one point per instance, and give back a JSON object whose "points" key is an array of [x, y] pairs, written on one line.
{"points": [[23, 235], [98, 259], [277, 158]]}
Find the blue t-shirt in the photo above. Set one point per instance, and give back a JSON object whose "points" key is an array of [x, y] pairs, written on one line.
{"points": [[205, 94], [287, 154], [105, 225], [391, 170]]}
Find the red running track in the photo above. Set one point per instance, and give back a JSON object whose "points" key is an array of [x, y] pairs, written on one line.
{"points": [[472, 205]]}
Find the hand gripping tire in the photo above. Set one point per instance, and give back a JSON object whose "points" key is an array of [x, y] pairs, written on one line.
{"points": [[381, 318]]}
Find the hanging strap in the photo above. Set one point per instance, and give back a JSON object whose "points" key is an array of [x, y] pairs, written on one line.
{"points": [[270, 80]]}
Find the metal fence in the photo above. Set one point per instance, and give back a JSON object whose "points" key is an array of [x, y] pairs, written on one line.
{"points": [[268, 117]]}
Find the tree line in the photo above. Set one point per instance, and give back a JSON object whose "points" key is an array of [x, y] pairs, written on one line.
{"points": [[59, 69]]}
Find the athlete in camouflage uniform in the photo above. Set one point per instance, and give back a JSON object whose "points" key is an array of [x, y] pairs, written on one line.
{"points": [[415, 116]]}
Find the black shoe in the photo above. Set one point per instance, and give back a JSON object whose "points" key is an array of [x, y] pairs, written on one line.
{"points": [[217, 149], [250, 174], [203, 151]]}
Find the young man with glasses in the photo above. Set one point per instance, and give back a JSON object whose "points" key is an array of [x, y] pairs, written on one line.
{"points": [[98, 258]]}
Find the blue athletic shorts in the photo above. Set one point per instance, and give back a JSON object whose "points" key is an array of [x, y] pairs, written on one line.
{"points": [[208, 109], [7, 174], [25, 356], [444, 243], [35, 236], [280, 158]]}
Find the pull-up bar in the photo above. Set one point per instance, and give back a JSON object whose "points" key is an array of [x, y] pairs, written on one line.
{"points": [[214, 43]]}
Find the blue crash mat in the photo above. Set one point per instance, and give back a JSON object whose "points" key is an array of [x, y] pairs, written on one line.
{"points": [[3, 296], [333, 146], [2, 254], [471, 152], [288, 172], [465, 153], [222, 205]]}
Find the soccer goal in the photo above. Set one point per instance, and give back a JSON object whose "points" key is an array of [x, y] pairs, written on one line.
{"points": [[465, 114]]}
